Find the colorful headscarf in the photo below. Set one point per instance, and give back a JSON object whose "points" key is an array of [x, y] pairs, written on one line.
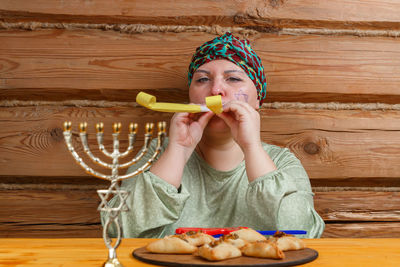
{"points": [[235, 50]]}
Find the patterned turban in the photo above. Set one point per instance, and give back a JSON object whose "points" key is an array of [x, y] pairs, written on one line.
{"points": [[235, 50]]}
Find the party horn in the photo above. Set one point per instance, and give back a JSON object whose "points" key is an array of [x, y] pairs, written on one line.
{"points": [[213, 103]]}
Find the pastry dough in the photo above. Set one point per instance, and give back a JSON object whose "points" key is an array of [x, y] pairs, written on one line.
{"points": [[217, 251], [198, 238], [249, 234], [263, 249], [287, 242], [234, 239], [175, 244]]}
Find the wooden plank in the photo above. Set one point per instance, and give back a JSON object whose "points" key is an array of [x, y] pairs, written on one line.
{"points": [[49, 213], [358, 206], [341, 143], [277, 13], [371, 182], [329, 65], [71, 61], [59, 94], [55, 207], [93, 64], [331, 144], [50, 231], [363, 230]]}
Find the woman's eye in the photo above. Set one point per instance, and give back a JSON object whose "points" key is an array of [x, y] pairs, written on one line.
{"points": [[202, 80], [234, 79]]}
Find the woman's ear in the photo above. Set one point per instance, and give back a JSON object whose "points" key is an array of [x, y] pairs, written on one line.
{"points": [[257, 104]]}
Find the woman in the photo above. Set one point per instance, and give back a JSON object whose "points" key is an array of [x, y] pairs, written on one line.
{"points": [[214, 170]]}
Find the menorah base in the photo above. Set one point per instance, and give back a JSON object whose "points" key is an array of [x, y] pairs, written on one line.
{"points": [[112, 259], [112, 263]]}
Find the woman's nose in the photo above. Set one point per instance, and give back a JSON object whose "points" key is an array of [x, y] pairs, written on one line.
{"points": [[217, 89]]}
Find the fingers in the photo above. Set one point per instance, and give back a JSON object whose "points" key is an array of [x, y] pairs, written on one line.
{"points": [[238, 107], [192, 120], [237, 110], [238, 113], [179, 118]]}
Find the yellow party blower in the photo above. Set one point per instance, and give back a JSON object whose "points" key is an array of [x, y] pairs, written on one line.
{"points": [[213, 103]]}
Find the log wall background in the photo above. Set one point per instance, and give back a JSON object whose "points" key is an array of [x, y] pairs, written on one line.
{"points": [[333, 72]]}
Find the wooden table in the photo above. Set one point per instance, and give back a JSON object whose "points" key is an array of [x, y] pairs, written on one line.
{"points": [[92, 252]]}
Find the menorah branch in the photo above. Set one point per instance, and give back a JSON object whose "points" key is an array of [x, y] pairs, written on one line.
{"points": [[132, 139], [86, 148], [99, 136], [142, 152], [78, 159]]}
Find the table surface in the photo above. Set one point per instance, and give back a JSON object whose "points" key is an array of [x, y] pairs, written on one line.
{"points": [[92, 252]]}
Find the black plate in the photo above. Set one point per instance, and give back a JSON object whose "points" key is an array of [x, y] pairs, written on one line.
{"points": [[291, 258]]}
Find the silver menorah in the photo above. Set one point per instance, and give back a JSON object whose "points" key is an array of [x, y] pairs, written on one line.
{"points": [[112, 213]]}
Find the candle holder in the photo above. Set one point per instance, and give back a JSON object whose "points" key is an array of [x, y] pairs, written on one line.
{"points": [[112, 213]]}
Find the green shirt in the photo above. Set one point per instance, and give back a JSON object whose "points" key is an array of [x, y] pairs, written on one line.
{"points": [[281, 199]]}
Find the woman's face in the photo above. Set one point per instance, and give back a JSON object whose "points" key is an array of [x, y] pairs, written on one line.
{"points": [[222, 77]]}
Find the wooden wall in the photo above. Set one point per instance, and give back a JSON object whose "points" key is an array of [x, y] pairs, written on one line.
{"points": [[333, 72]]}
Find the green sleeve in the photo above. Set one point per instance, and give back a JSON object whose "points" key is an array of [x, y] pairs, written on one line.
{"points": [[154, 204], [285, 196]]}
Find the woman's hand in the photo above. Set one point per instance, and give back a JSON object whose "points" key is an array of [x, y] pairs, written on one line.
{"points": [[186, 130], [244, 122]]}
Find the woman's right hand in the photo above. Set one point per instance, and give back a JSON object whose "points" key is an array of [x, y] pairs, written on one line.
{"points": [[186, 130]]}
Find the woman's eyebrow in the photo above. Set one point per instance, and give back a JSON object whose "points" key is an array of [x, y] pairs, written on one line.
{"points": [[230, 71], [227, 71], [205, 71]]}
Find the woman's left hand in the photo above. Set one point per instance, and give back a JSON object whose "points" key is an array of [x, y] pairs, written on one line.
{"points": [[244, 122]]}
